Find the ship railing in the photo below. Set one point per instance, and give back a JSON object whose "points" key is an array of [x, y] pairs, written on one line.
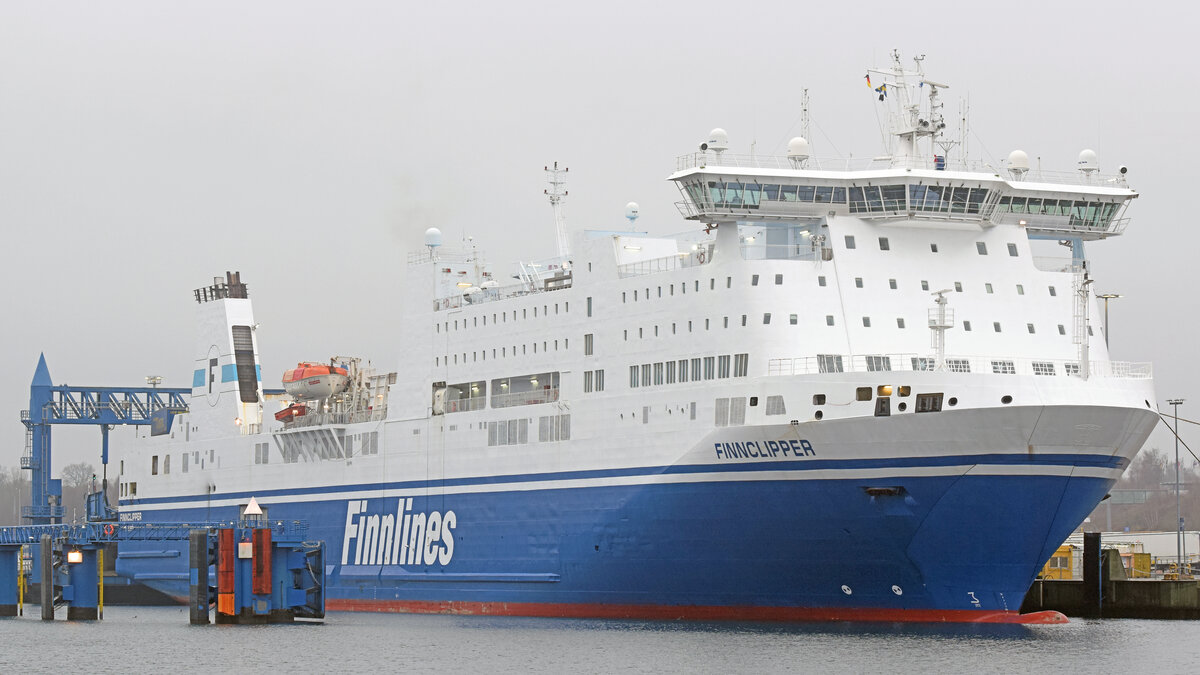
{"points": [[1066, 224], [468, 404], [684, 259], [252, 429], [532, 397], [1001, 365], [710, 160], [493, 293], [805, 251], [314, 419]]}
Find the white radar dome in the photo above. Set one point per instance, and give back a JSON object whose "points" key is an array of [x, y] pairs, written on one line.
{"points": [[718, 140], [433, 237], [632, 210], [798, 148], [1088, 162], [1018, 161]]}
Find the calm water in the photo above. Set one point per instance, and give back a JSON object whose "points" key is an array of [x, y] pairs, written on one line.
{"points": [[156, 639]]}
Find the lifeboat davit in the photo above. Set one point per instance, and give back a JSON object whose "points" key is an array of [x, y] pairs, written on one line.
{"points": [[310, 381]]}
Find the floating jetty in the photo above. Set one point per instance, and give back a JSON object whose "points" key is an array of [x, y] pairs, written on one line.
{"points": [[1106, 592], [264, 572]]}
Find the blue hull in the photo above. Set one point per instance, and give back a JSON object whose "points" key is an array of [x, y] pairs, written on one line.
{"points": [[969, 544]]}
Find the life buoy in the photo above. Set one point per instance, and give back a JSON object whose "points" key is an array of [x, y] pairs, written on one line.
{"points": [[109, 529], [700, 257]]}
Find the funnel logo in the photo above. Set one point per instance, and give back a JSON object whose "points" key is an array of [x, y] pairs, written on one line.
{"points": [[403, 538]]}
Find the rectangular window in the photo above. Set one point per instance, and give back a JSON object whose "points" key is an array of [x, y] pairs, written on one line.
{"points": [[924, 285], [958, 287], [1053, 293], [849, 241], [721, 412], [899, 322], [967, 326], [154, 465], [737, 411], [645, 374], [587, 381], [1020, 289], [683, 370], [710, 363], [878, 363], [793, 319], [1043, 368], [778, 279], [1012, 250], [829, 363], [884, 245], [996, 326], [821, 280], [775, 406], [1062, 329], [958, 365], [987, 287], [587, 344], [753, 280], [658, 373], [599, 380], [981, 248], [892, 284], [670, 372], [866, 322], [828, 319], [933, 248], [589, 306], [767, 318], [858, 282], [1004, 368], [818, 399], [923, 363], [633, 377], [929, 403], [1029, 326], [741, 365], [862, 394], [723, 367], [695, 370], [1071, 368]]}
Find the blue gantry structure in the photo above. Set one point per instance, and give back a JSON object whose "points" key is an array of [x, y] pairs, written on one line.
{"points": [[265, 571], [106, 407]]}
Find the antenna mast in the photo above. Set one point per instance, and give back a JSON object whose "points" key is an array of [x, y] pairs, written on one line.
{"points": [[556, 179], [805, 120]]}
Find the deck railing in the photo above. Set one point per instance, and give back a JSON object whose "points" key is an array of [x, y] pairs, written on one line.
{"points": [[1007, 365]]}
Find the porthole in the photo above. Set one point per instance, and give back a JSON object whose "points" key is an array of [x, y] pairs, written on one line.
{"points": [[818, 414], [902, 406], [1006, 400], [953, 400]]}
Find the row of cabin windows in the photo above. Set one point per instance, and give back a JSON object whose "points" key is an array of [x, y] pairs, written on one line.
{"points": [[885, 245], [593, 380], [500, 352], [502, 317], [958, 286], [794, 320], [644, 294], [195, 457], [701, 368]]}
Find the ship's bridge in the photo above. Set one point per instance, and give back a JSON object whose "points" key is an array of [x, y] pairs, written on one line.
{"points": [[737, 188]]}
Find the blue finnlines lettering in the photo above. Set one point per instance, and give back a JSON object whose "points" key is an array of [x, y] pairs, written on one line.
{"points": [[403, 538]]}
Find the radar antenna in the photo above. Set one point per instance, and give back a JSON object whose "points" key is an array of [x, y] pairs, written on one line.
{"points": [[555, 177]]}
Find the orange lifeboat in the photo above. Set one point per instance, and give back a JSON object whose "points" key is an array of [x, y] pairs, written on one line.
{"points": [[308, 380]]}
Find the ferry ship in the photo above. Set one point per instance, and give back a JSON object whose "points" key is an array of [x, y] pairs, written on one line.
{"points": [[844, 393]]}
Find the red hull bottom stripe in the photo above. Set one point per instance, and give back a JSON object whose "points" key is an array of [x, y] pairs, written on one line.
{"points": [[693, 612]]}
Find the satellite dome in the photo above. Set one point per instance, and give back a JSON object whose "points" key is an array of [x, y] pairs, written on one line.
{"points": [[1018, 161], [632, 211], [798, 148], [718, 140], [433, 237], [1088, 162]]}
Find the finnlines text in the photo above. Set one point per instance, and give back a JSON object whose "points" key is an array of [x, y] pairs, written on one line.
{"points": [[406, 538], [759, 449]]}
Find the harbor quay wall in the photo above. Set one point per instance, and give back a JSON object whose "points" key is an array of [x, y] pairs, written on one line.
{"points": [[1120, 599]]}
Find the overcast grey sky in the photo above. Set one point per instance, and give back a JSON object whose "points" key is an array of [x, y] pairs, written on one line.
{"points": [[146, 147]]}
